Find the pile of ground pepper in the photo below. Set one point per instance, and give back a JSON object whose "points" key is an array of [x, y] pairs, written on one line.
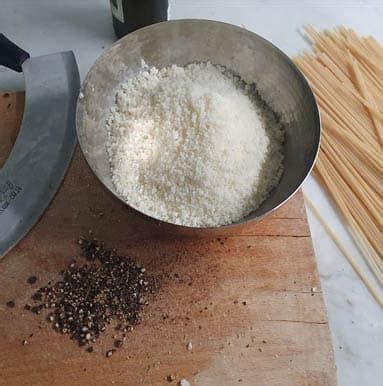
{"points": [[90, 296]]}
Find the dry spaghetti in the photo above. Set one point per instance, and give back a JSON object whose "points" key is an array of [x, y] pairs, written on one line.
{"points": [[345, 72]]}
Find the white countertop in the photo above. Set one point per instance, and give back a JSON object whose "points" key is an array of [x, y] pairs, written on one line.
{"points": [[84, 26]]}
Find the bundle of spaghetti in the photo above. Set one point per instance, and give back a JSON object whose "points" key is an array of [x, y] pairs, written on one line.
{"points": [[345, 72]]}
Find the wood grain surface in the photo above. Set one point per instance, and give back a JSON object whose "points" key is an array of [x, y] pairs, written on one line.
{"points": [[244, 297], [11, 113]]}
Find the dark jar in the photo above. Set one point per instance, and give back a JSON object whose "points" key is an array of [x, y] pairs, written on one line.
{"points": [[129, 15]]}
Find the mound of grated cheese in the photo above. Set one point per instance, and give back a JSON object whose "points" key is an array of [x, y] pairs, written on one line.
{"points": [[189, 145]]}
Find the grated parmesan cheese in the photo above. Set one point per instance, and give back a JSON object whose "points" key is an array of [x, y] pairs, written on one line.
{"points": [[192, 146]]}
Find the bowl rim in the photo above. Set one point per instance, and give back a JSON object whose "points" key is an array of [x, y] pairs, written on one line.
{"points": [[310, 94]]}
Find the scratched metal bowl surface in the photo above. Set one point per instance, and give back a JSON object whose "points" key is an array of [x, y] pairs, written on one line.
{"points": [[180, 42]]}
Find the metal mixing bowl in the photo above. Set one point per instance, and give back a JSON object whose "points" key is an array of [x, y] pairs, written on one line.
{"points": [[181, 42]]}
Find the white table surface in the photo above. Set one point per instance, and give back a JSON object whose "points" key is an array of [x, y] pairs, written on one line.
{"points": [[84, 26]]}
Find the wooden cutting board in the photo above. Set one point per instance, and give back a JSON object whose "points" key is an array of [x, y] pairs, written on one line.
{"points": [[243, 297]]}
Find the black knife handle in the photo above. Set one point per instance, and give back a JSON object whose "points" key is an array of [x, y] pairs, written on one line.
{"points": [[11, 55]]}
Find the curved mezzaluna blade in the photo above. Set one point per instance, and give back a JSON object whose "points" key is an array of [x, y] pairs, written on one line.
{"points": [[44, 146]]}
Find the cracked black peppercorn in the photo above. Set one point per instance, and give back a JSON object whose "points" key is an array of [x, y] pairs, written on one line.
{"points": [[11, 304], [32, 280], [108, 288]]}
